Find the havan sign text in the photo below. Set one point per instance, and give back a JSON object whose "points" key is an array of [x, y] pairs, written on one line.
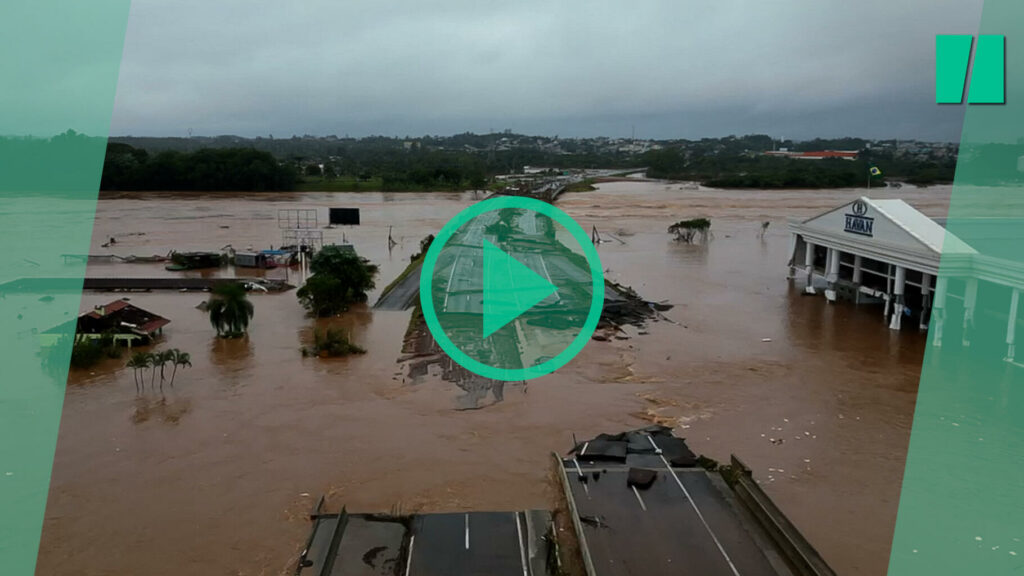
{"points": [[862, 225]]}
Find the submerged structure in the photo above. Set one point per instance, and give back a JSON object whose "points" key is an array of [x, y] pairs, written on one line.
{"points": [[254, 260], [888, 252], [346, 544], [195, 260], [125, 323], [642, 503], [639, 503]]}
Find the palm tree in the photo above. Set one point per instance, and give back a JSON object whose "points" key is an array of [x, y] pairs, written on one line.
{"points": [[137, 363], [230, 310], [180, 359], [163, 358], [152, 360]]}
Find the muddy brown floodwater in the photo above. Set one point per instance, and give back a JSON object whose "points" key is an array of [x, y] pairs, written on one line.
{"points": [[217, 478]]}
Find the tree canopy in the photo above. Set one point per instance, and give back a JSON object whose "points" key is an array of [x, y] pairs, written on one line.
{"points": [[471, 161], [340, 278], [129, 168], [230, 310]]}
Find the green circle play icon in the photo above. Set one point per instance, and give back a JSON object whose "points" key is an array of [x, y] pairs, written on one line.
{"points": [[512, 288]]}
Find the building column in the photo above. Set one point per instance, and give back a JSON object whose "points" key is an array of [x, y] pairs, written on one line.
{"points": [[809, 267], [794, 241], [888, 291], [1011, 325], [832, 273], [970, 300], [939, 310], [858, 273], [926, 299], [897, 311]]}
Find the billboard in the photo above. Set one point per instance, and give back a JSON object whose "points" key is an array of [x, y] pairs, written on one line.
{"points": [[344, 216]]}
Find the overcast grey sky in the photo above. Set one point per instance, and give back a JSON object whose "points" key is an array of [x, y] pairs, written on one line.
{"points": [[672, 68]]}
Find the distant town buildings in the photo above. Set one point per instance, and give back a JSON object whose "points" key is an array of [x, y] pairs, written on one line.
{"points": [[815, 155], [333, 149]]}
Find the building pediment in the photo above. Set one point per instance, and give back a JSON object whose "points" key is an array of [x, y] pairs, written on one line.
{"points": [[892, 223]]}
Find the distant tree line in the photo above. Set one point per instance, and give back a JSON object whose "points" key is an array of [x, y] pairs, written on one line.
{"points": [[64, 164], [993, 164], [389, 167], [129, 168], [471, 161], [757, 170]]}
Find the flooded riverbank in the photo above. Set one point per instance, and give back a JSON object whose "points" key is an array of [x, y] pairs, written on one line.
{"points": [[218, 478]]}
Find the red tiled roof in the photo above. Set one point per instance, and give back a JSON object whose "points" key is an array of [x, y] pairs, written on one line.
{"points": [[115, 306], [129, 317], [830, 154], [101, 311], [154, 325]]}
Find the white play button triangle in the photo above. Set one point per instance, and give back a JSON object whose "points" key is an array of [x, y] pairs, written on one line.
{"points": [[510, 288]]}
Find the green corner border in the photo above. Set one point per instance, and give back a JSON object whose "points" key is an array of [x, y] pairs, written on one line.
{"points": [[59, 69], [961, 508]]}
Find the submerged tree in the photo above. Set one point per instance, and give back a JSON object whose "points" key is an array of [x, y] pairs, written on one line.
{"points": [[339, 278], [331, 343], [690, 230], [138, 362], [85, 352], [165, 357], [182, 359], [152, 360], [230, 310]]}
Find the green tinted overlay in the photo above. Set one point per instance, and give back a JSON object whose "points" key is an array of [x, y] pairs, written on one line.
{"points": [[962, 503], [512, 288], [59, 69]]}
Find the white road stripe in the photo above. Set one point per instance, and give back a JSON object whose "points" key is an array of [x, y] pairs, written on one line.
{"points": [[699, 515], [544, 265], [639, 499], [522, 551], [581, 477], [408, 563], [448, 288]]}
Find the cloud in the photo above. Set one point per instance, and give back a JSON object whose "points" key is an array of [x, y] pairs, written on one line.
{"points": [[678, 69]]}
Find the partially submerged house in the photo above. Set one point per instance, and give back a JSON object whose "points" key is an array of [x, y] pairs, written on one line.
{"points": [[254, 260], [887, 252], [195, 260], [127, 324]]}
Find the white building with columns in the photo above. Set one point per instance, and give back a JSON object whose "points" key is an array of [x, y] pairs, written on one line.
{"points": [[889, 253]]}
